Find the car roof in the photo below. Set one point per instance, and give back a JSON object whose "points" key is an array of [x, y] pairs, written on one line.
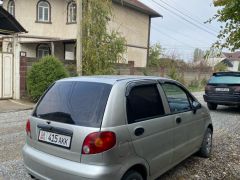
{"points": [[111, 79], [229, 73]]}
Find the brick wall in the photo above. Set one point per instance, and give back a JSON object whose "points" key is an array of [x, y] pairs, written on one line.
{"points": [[26, 64], [189, 74]]}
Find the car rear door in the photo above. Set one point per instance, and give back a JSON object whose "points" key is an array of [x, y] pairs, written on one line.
{"points": [[151, 131], [188, 125], [68, 112]]}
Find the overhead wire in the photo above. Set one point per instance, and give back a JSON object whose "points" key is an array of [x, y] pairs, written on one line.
{"points": [[184, 18], [188, 16]]}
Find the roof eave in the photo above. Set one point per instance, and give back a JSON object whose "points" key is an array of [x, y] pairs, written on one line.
{"points": [[13, 21], [152, 14]]}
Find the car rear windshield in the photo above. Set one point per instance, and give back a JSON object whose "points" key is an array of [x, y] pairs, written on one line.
{"points": [[79, 103], [224, 80]]}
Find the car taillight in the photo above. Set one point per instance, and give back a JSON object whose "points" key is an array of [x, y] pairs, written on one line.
{"points": [[98, 142], [28, 128], [237, 89]]}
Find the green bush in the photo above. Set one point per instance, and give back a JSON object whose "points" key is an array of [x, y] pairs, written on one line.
{"points": [[174, 73], [43, 74], [194, 84], [204, 82]]}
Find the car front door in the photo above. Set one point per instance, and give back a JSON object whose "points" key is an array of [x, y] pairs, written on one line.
{"points": [[188, 123], [151, 131]]}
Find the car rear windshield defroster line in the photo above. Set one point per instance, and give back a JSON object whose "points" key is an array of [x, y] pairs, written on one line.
{"points": [[79, 103]]}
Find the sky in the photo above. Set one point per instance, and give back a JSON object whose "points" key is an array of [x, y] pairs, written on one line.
{"points": [[179, 36]]}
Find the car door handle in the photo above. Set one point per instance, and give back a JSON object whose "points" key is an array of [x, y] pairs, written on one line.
{"points": [[178, 120], [139, 131]]}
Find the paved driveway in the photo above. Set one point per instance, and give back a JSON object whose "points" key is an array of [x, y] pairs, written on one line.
{"points": [[223, 164], [14, 105]]}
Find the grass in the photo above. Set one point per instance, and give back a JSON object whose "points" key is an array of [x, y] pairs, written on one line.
{"points": [[195, 89]]}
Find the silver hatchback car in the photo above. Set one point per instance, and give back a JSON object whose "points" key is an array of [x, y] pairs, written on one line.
{"points": [[114, 128]]}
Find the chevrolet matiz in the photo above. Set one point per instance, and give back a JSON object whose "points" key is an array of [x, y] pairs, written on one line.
{"points": [[114, 128]]}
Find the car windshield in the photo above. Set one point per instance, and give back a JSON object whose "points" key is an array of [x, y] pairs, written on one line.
{"points": [[224, 80], [79, 103]]}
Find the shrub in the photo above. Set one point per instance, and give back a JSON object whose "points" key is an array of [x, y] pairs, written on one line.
{"points": [[72, 70], [174, 73], [43, 74], [204, 82], [220, 67], [194, 84]]}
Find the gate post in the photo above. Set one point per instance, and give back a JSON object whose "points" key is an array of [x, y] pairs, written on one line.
{"points": [[23, 76]]}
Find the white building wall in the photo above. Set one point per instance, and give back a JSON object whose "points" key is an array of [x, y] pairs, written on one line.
{"points": [[26, 14], [235, 65], [133, 25]]}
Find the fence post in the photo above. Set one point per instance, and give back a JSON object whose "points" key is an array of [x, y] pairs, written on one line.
{"points": [[131, 67], [23, 76], [161, 70]]}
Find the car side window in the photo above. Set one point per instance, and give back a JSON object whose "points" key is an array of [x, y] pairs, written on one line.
{"points": [[144, 102], [177, 98]]}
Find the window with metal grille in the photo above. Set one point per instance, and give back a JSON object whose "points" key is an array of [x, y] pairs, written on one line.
{"points": [[72, 12], [43, 50], [11, 7], [43, 9]]}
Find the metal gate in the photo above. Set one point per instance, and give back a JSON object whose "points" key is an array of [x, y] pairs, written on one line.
{"points": [[6, 75]]}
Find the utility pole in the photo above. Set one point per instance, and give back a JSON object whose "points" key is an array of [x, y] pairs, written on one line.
{"points": [[79, 37]]}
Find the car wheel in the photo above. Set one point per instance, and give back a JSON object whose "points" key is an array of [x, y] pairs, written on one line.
{"points": [[32, 177], [132, 175], [206, 148], [212, 106]]}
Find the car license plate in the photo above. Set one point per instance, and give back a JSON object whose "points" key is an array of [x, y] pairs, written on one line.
{"points": [[222, 89], [55, 139]]}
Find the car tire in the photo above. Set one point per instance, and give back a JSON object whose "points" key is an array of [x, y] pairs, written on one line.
{"points": [[132, 175], [32, 177], [206, 147], [212, 106]]}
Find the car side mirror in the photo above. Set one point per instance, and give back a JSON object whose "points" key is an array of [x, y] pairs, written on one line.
{"points": [[196, 105]]}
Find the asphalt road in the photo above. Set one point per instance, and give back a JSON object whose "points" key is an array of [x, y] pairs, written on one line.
{"points": [[223, 164]]}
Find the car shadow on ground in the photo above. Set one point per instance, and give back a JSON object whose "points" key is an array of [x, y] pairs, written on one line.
{"points": [[180, 171], [228, 109]]}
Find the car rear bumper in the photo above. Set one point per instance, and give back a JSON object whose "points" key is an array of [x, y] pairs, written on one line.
{"points": [[222, 100], [45, 166]]}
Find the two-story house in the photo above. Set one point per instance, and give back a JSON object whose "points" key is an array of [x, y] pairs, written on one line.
{"points": [[52, 27]]}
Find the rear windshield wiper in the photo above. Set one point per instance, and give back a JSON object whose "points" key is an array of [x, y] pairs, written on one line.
{"points": [[58, 117]]}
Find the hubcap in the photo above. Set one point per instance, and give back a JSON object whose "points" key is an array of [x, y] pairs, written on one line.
{"points": [[209, 142]]}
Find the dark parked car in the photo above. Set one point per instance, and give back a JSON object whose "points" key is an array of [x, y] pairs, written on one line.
{"points": [[223, 88]]}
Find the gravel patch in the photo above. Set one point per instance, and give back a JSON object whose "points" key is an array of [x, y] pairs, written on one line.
{"points": [[223, 164], [12, 137]]}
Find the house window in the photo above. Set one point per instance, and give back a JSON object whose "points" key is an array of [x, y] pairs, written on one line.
{"points": [[72, 12], [9, 48], [43, 50], [70, 51], [43, 11], [11, 7], [0, 47]]}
